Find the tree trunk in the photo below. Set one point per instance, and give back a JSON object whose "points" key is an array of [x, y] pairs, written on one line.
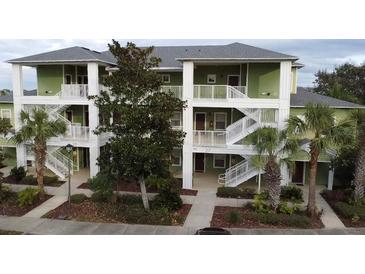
{"points": [[313, 163], [144, 194], [40, 157], [360, 171], [259, 183], [272, 178]]}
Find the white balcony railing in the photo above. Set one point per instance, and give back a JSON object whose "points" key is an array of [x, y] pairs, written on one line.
{"points": [[77, 132], [74, 91], [219, 92], [209, 138], [176, 90]]}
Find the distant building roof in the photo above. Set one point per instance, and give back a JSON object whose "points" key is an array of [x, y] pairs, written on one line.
{"points": [[67, 55], [303, 97], [170, 55], [9, 97]]}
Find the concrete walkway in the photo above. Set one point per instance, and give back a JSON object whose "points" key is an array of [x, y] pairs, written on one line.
{"points": [[30, 225]]}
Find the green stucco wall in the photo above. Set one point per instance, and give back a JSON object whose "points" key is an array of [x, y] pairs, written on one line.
{"points": [[50, 79], [209, 116], [322, 173], [263, 78], [77, 114], [221, 72]]}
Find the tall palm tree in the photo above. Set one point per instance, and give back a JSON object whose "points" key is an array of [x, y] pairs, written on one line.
{"points": [[273, 145], [38, 128], [319, 126], [359, 179]]}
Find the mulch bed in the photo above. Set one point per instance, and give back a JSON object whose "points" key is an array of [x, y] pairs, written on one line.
{"points": [[334, 196], [10, 232], [11, 180], [89, 211], [10, 207], [220, 213], [134, 187]]}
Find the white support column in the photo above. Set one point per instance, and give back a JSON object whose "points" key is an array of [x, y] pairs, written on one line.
{"points": [[188, 91], [285, 86], [17, 78], [331, 174], [93, 86]]}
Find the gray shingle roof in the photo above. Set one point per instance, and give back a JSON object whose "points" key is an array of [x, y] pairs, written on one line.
{"points": [[303, 97], [170, 55], [9, 97], [73, 54]]}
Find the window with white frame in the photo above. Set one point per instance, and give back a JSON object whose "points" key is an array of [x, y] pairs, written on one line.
{"points": [[176, 119], [166, 78], [219, 161], [220, 120], [176, 157], [5, 113], [211, 78]]}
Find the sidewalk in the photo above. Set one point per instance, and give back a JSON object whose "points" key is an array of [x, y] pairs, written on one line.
{"points": [[30, 225]]}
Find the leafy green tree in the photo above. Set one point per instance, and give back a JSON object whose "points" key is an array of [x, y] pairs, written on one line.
{"points": [[138, 114], [346, 82], [37, 128], [320, 128], [273, 145], [359, 177]]}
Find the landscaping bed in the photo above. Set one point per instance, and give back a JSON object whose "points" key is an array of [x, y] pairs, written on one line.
{"points": [[134, 187], [340, 201], [10, 232], [32, 181], [235, 192], [246, 217], [127, 209], [9, 205]]}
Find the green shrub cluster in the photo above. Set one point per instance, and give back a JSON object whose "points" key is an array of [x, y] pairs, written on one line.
{"points": [[5, 193], [102, 185], [233, 217], [78, 198], [27, 196], [168, 200], [18, 172], [350, 211], [292, 193], [235, 192], [294, 220]]}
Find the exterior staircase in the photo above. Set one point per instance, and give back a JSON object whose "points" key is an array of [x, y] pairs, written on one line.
{"points": [[237, 174]]}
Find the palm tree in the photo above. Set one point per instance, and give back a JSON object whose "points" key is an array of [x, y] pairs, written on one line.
{"points": [[359, 179], [38, 128], [319, 126], [273, 145]]}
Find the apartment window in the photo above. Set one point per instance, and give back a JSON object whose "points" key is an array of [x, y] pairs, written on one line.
{"points": [[219, 161], [220, 120], [166, 78], [211, 78], [5, 113], [176, 157], [176, 119]]}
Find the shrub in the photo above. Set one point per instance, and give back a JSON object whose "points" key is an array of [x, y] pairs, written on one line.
{"points": [[233, 217], [338, 195], [5, 193], [292, 193], [260, 204], [78, 198], [350, 211], [167, 199], [29, 180], [285, 208], [50, 180], [100, 197], [130, 199], [27, 196], [294, 220], [235, 192], [102, 184], [18, 172]]}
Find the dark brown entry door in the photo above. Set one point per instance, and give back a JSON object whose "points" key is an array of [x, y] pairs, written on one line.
{"points": [[199, 162], [298, 174], [200, 121], [233, 80]]}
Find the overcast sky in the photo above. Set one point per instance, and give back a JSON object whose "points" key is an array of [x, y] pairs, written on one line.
{"points": [[314, 54]]}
